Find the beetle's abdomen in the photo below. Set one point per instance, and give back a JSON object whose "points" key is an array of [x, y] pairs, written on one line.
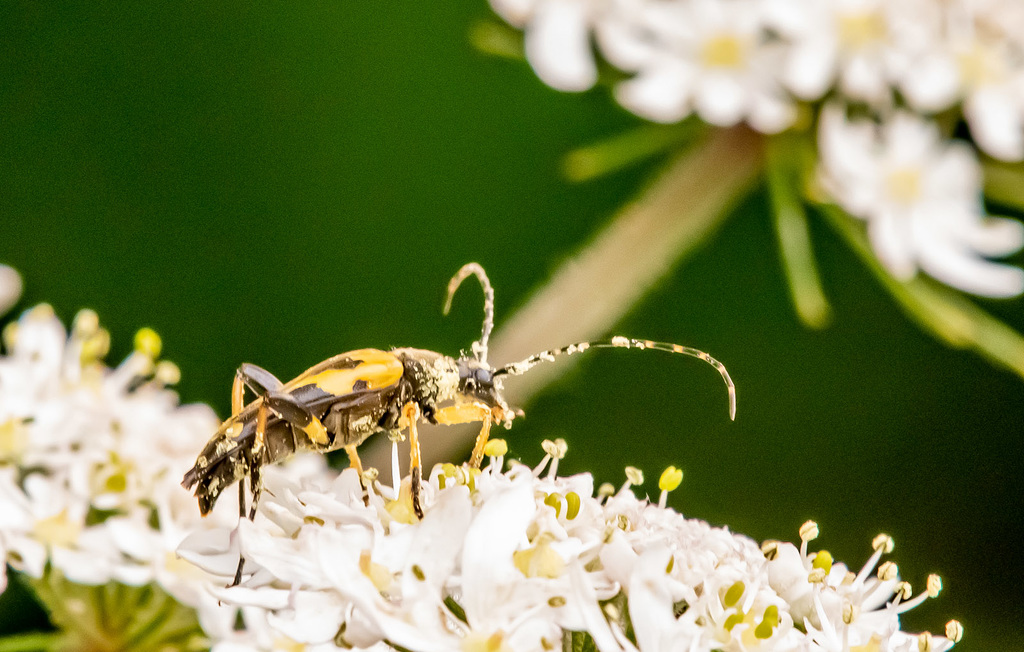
{"points": [[227, 459]]}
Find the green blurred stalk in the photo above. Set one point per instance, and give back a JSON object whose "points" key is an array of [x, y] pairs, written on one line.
{"points": [[113, 617], [31, 641], [1004, 183], [945, 313], [628, 148], [791, 228], [591, 291]]}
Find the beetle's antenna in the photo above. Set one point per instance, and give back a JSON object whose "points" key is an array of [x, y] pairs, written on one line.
{"points": [[479, 348], [521, 367]]}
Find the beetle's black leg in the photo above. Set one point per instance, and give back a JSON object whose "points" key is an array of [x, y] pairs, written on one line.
{"points": [[255, 481], [291, 410], [410, 415], [258, 379]]}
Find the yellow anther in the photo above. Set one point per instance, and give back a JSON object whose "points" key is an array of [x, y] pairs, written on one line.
{"points": [[606, 489], [822, 560], [378, 574], [396, 436], [954, 631], [554, 501], [148, 343], [496, 448], [611, 611], [313, 520], [10, 335], [449, 469], [903, 590], [86, 323], [670, 479], [768, 623], [888, 571], [556, 601], [418, 573], [884, 543], [539, 561], [370, 476], [850, 612], [817, 576], [733, 620], [634, 475], [770, 548], [924, 642], [167, 372], [42, 312], [572, 505], [556, 449], [934, 585], [809, 531], [849, 578], [95, 346], [733, 594]]}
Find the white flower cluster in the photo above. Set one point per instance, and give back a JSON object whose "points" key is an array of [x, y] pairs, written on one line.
{"points": [[520, 560], [91, 459], [759, 61]]}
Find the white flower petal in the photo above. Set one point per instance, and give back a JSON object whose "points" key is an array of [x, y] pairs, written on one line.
{"points": [[557, 43]]}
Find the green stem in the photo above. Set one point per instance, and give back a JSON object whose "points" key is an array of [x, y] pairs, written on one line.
{"points": [[628, 148], [30, 641], [794, 236], [944, 312]]}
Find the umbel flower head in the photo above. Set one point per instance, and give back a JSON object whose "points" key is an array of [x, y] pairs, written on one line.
{"points": [[908, 71], [522, 559], [90, 458]]}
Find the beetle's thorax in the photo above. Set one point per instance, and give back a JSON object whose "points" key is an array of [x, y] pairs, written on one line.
{"points": [[433, 377]]}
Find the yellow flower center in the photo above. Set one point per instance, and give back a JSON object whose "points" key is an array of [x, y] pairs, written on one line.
{"points": [[57, 530], [861, 29], [724, 51], [904, 185]]}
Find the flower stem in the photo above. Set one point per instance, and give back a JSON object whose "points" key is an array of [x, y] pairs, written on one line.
{"points": [[794, 237], [31, 641], [945, 313], [628, 148]]}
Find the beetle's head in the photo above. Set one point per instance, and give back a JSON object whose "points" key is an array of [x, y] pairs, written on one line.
{"points": [[477, 383]]}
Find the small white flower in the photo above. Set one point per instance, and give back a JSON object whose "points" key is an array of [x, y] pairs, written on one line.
{"points": [[708, 57], [921, 197], [974, 56], [858, 45], [557, 38], [514, 561]]}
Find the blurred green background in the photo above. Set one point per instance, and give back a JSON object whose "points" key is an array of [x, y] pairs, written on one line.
{"points": [[277, 182]]}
